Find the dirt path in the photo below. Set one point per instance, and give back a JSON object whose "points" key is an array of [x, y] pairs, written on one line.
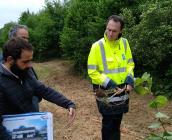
{"points": [[87, 125]]}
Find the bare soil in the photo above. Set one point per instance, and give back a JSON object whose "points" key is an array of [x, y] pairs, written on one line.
{"points": [[87, 125]]}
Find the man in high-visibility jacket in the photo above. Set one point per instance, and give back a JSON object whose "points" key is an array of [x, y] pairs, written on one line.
{"points": [[110, 66]]}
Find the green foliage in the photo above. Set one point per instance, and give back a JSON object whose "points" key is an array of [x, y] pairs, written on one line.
{"points": [[151, 38], [106, 8], [150, 42], [154, 125], [143, 85], [4, 33], [159, 101], [68, 29], [164, 136], [160, 115], [40, 36], [75, 37], [163, 87], [45, 28]]}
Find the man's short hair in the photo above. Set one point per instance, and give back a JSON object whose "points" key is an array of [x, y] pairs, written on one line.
{"points": [[14, 48], [13, 31], [116, 19]]}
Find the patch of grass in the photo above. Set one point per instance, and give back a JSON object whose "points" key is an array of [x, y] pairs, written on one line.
{"points": [[44, 71]]}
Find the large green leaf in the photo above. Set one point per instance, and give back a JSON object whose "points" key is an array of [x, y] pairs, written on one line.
{"points": [[155, 125], [154, 137], [141, 90], [166, 133], [167, 138], [145, 76], [143, 85], [149, 81], [153, 104], [138, 81], [160, 115], [159, 101]]}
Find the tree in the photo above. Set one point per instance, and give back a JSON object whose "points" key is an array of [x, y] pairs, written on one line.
{"points": [[44, 28], [75, 37], [151, 43], [4, 32]]}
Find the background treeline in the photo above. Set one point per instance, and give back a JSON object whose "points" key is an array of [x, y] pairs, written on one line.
{"points": [[68, 30]]}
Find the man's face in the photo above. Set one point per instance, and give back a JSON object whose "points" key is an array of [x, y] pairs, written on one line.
{"points": [[23, 33], [22, 64], [113, 29]]}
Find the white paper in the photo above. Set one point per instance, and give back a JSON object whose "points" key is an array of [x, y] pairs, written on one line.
{"points": [[29, 126]]}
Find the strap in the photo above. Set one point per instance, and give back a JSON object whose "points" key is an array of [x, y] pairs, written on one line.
{"points": [[119, 98]]}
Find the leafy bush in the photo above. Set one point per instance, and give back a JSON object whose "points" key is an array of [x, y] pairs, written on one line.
{"points": [[45, 28], [76, 35], [143, 87], [151, 43]]}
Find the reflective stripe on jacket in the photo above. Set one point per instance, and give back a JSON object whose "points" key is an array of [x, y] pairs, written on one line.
{"points": [[110, 60]]}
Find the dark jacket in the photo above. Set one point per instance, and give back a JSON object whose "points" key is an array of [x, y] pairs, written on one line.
{"points": [[36, 99], [16, 95]]}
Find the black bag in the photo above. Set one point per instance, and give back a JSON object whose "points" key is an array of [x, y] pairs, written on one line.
{"points": [[116, 107]]}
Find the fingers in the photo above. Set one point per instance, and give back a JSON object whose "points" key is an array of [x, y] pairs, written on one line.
{"points": [[129, 88], [71, 117], [72, 114], [119, 90]]}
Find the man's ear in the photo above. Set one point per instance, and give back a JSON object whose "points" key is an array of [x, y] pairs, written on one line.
{"points": [[10, 60]]}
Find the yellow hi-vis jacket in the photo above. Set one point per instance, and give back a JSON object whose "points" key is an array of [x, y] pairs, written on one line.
{"points": [[110, 60]]}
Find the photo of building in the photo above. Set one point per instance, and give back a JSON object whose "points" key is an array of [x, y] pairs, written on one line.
{"points": [[30, 126]]}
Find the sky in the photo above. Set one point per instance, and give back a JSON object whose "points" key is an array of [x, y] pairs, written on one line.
{"points": [[10, 10]]}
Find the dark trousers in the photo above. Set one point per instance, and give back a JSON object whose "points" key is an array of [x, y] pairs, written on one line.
{"points": [[111, 127]]}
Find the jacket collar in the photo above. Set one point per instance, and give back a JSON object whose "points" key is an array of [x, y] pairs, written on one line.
{"points": [[113, 42], [5, 71]]}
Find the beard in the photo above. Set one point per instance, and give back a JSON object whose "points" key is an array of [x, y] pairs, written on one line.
{"points": [[21, 73]]}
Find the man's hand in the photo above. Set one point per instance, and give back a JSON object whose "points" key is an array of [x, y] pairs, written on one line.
{"points": [[72, 114], [71, 117], [99, 92], [128, 88], [120, 90]]}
